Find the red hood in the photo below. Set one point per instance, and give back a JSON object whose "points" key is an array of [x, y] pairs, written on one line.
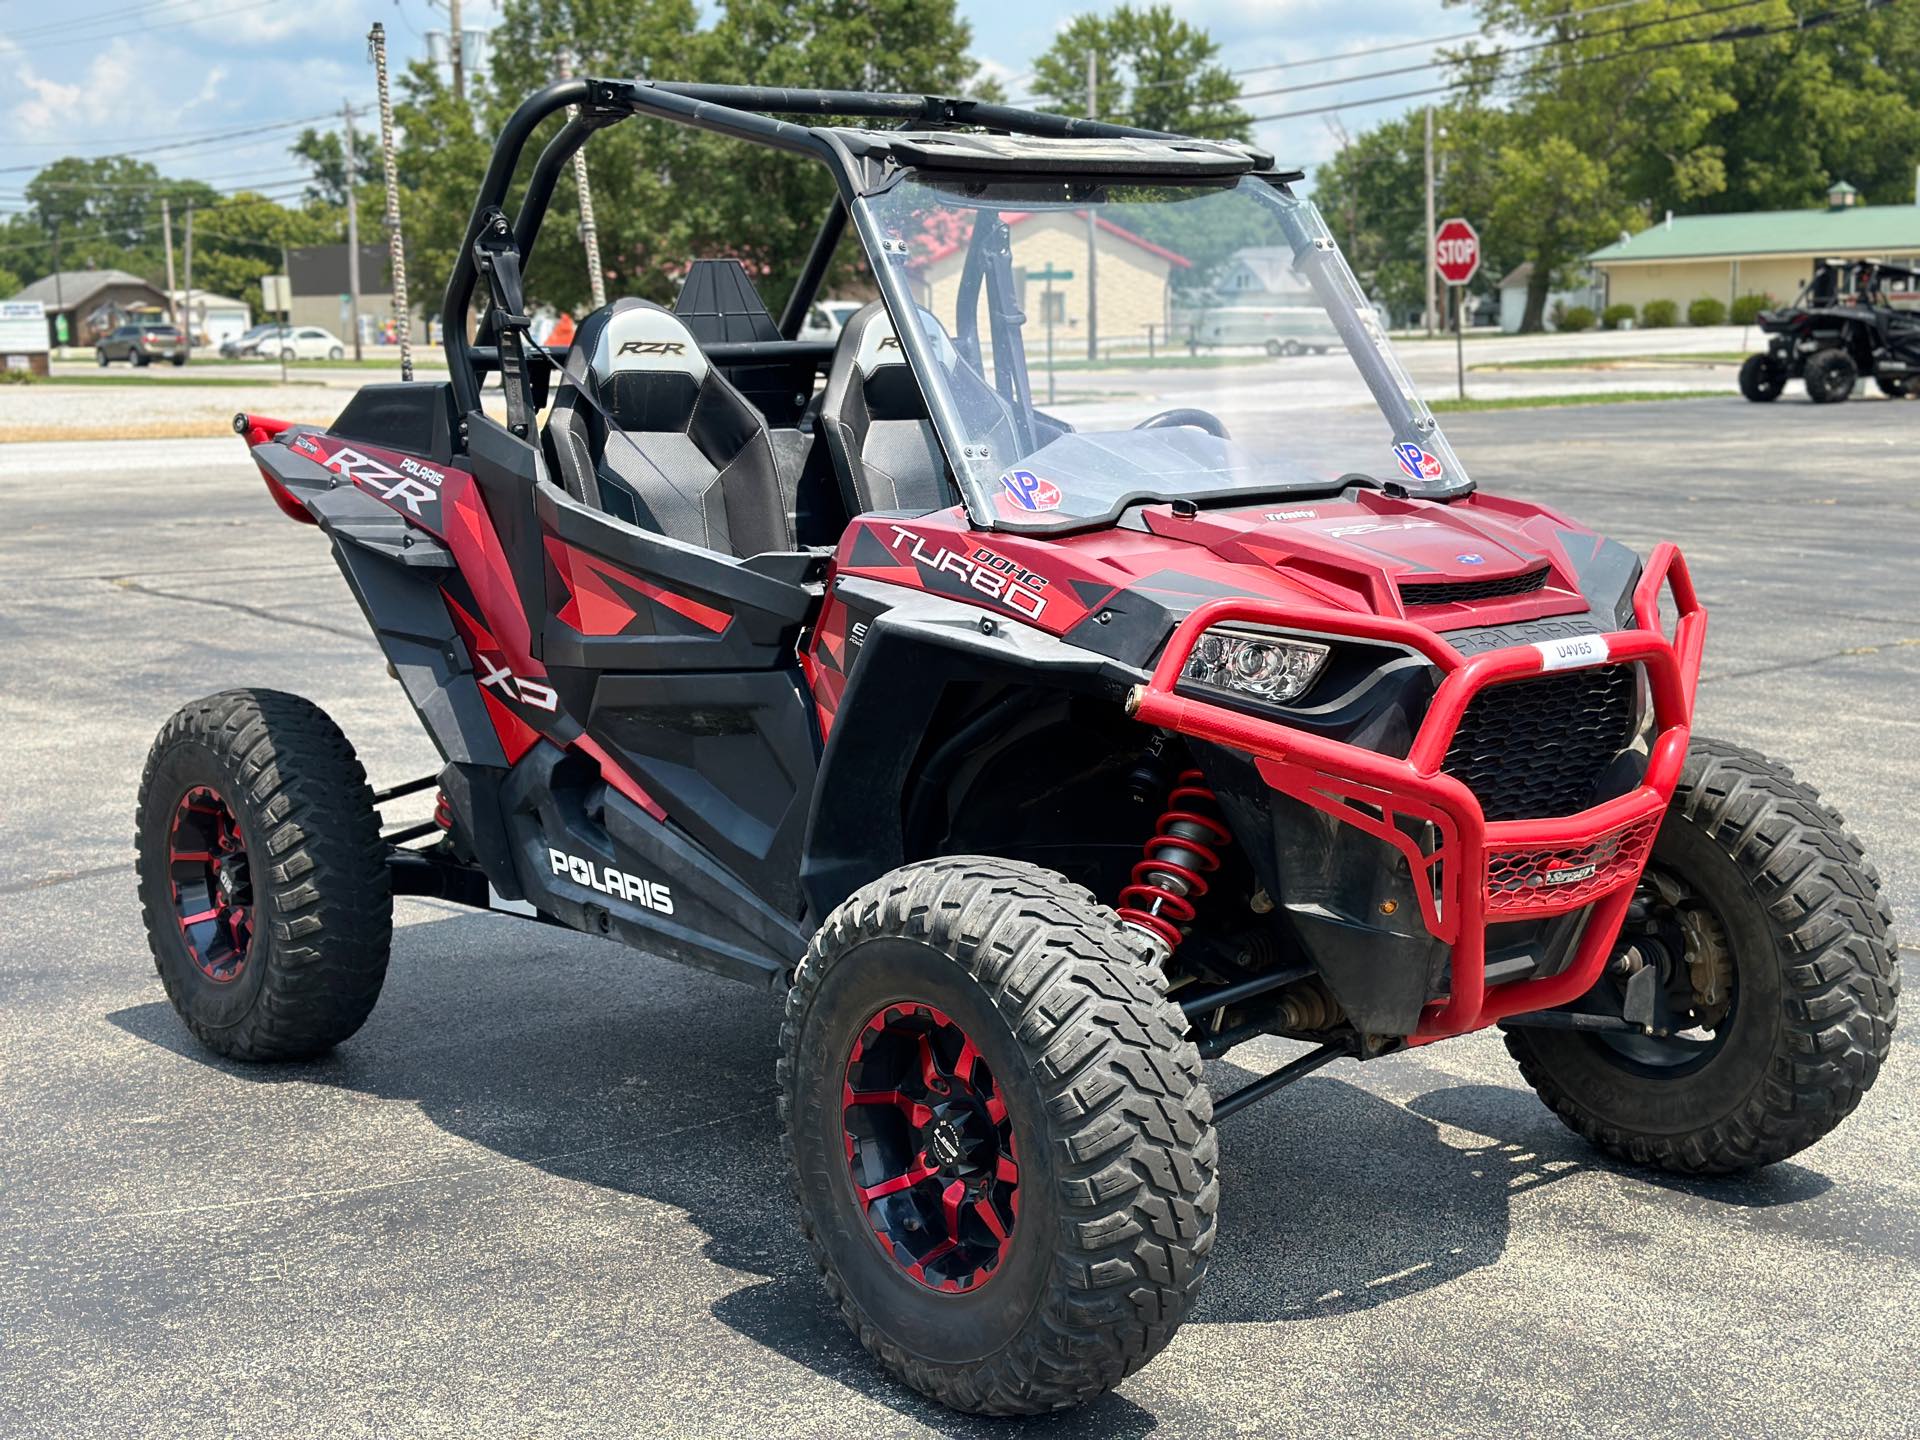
{"points": [[1371, 554], [1389, 556]]}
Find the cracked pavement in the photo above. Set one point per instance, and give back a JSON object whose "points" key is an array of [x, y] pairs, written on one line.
{"points": [[541, 1192]]}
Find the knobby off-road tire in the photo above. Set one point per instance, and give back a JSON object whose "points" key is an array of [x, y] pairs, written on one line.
{"points": [[320, 918], [1109, 1121], [1830, 377], [1762, 378], [1815, 983], [1897, 387]]}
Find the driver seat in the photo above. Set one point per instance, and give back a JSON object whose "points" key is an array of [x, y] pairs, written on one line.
{"points": [[644, 428], [876, 424]]}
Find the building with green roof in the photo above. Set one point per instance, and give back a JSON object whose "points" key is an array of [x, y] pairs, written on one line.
{"points": [[1758, 252]]}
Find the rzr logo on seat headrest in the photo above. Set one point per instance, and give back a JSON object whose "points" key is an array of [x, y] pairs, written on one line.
{"points": [[652, 347], [890, 342]]}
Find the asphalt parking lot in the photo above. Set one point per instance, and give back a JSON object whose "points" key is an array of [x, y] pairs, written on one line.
{"points": [[541, 1192]]}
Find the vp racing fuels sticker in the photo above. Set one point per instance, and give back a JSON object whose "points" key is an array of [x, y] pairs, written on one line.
{"points": [[1417, 463], [1030, 492]]}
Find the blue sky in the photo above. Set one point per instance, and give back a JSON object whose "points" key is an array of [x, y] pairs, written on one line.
{"points": [[112, 75]]}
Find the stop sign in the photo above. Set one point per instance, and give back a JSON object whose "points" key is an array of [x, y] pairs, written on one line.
{"points": [[1456, 251]]}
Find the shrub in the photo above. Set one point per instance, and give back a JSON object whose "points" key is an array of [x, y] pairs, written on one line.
{"points": [[1707, 311], [1578, 317], [1658, 314], [1614, 316], [1747, 308]]}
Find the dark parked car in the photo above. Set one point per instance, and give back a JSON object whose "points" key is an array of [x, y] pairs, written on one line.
{"points": [[142, 345]]}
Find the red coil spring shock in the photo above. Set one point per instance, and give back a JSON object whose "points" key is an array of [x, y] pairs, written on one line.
{"points": [[1183, 851]]}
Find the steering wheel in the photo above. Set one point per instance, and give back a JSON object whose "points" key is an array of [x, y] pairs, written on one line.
{"points": [[1186, 415]]}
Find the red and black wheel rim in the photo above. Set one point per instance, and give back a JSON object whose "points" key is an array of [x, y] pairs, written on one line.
{"points": [[212, 884], [931, 1148]]}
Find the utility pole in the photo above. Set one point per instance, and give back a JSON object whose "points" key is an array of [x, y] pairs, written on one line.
{"points": [[166, 228], [186, 325], [1433, 299], [1093, 229], [589, 231], [59, 298], [454, 48], [353, 230], [286, 313]]}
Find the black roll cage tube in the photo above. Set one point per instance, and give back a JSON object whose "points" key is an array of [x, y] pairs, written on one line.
{"points": [[743, 112]]}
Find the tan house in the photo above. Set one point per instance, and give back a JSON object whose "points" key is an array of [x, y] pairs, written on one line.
{"points": [[1132, 284], [1760, 252]]}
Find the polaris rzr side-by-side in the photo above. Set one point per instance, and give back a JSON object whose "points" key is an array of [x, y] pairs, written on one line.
{"points": [[1841, 327], [1034, 753]]}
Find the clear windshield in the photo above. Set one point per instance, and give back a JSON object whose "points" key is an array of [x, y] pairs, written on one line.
{"points": [[1087, 346]]}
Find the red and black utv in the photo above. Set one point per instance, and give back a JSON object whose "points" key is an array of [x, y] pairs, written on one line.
{"points": [[1035, 751]]}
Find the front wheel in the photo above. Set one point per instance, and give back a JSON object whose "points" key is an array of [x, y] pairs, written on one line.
{"points": [[1830, 377], [1775, 988], [1897, 387], [101, 358], [263, 880], [997, 1135], [1762, 378]]}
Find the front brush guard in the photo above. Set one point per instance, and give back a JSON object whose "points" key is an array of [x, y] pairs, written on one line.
{"points": [[1478, 872]]}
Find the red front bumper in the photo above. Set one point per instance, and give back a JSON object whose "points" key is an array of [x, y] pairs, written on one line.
{"points": [[1477, 872]]}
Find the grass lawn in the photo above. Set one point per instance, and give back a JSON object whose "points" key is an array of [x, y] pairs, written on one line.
{"points": [[1610, 362], [1547, 402]]}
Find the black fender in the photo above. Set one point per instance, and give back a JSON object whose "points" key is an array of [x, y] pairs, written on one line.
{"points": [[915, 645]]}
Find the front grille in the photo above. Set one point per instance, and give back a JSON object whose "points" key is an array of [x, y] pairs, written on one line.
{"points": [[1463, 592], [1534, 749], [1563, 876]]}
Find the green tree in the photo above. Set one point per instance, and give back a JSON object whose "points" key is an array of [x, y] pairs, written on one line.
{"points": [[10, 283], [326, 153], [1152, 69]]}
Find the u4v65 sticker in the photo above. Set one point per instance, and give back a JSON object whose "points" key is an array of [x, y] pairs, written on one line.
{"points": [[1029, 491], [1573, 652]]}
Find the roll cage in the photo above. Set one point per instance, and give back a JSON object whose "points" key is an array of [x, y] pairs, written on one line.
{"points": [[937, 133]]}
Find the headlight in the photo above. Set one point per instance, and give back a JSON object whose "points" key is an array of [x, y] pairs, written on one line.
{"points": [[1254, 664]]}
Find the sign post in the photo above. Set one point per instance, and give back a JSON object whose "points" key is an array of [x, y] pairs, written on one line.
{"points": [[1456, 255], [1050, 274]]}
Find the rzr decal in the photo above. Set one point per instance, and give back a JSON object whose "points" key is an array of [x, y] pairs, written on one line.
{"points": [[388, 483], [653, 347], [992, 575]]}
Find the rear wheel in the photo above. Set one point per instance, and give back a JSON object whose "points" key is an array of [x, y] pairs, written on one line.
{"points": [[1273, 348], [139, 360], [336, 353], [998, 1135], [1762, 378], [263, 881], [1775, 982], [1897, 387], [1830, 377]]}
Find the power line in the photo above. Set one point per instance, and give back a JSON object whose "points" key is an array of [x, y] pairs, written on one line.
{"points": [[1370, 50], [1726, 36], [120, 232], [57, 26], [217, 133], [142, 29], [1502, 53], [250, 132]]}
